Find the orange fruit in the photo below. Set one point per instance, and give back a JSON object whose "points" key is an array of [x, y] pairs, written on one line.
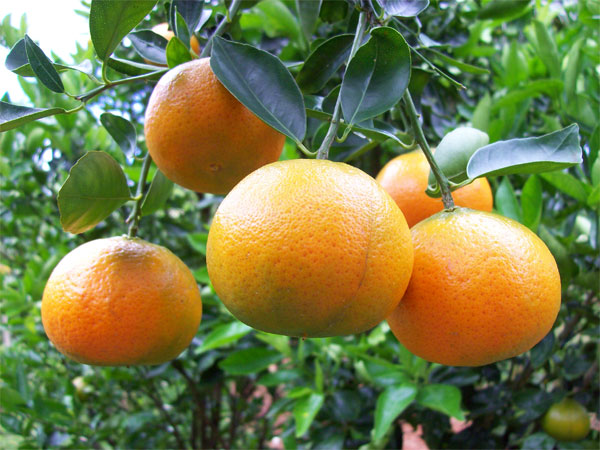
{"points": [[483, 288], [405, 179], [200, 136], [309, 248], [566, 420], [163, 30], [121, 301]]}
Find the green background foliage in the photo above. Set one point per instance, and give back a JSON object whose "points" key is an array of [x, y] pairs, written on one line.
{"points": [[516, 71]]}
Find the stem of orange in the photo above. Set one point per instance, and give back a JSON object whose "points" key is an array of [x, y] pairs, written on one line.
{"points": [[420, 137], [136, 214]]}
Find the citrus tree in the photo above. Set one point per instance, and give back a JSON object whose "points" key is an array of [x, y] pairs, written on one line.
{"points": [[172, 104]]}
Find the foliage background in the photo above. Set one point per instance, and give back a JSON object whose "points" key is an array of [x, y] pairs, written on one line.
{"points": [[526, 71]]}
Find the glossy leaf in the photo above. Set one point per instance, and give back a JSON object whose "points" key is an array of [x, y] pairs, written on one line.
{"points": [[112, 20], [308, 13], [546, 48], [191, 12], [552, 151], [95, 187], [42, 67], [305, 411], [390, 404], [179, 26], [532, 202], [404, 8], [324, 62], [506, 201], [177, 52], [503, 9], [158, 193], [122, 131], [13, 116], [223, 335], [149, 45], [249, 360], [443, 398], [262, 83], [376, 77]]}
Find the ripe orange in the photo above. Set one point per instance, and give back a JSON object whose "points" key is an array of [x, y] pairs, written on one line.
{"points": [[163, 30], [566, 420], [483, 288], [309, 248], [200, 136], [121, 301], [405, 179]]}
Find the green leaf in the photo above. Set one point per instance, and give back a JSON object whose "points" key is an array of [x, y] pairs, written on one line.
{"points": [[149, 45], [552, 151], [376, 77], [568, 184], [191, 13], [280, 376], [11, 399], [198, 242], [223, 335], [112, 20], [533, 89], [506, 200], [13, 116], [277, 341], [318, 376], [305, 411], [531, 202], [42, 67], [543, 350], [262, 83], [546, 48], [503, 9], [179, 26], [481, 115], [122, 131], [468, 68], [390, 404], [572, 71], [539, 441], [324, 62], [308, 12], [158, 193], [177, 52], [404, 8], [249, 360], [443, 398], [594, 197], [515, 65], [95, 187], [133, 68]]}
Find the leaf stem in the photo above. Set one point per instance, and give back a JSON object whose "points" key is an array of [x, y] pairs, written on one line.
{"points": [[420, 137], [91, 94], [323, 151], [221, 27], [136, 214]]}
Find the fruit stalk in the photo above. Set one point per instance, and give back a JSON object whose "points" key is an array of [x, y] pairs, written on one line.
{"points": [[140, 195], [420, 137], [323, 151]]}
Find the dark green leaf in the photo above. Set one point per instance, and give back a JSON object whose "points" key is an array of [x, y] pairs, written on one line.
{"points": [[191, 12], [122, 131], [506, 200], [390, 404], [177, 52], [481, 115], [149, 45], [568, 184], [262, 83], [404, 8], [249, 360], [42, 67], [443, 398], [566, 265], [305, 411], [552, 151], [112, 20], [158, 193], [531, 202], [539, 441], [324, 62], [12, 116], [503, 9], [133, 68], [546, 48], [532, 89], [281, 376], [376, 77], [179, 26], [95, 187], [223, 335], [308, 12], [468, 68], [542, 351]]}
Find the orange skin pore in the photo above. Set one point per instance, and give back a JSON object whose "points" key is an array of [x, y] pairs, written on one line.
{"points": [[121, 301], [200, 136], [405, 179], [309, 248], [484, 288]]}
